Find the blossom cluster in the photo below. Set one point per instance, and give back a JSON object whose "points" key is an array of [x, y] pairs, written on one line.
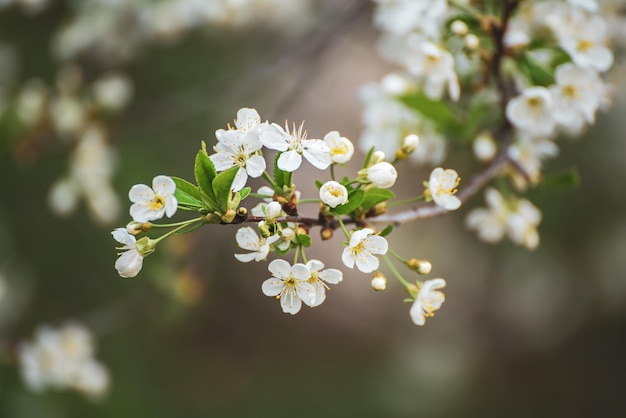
{"points": [[222, 185], [63, 358]]}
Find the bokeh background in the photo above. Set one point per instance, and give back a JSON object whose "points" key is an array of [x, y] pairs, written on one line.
{"points": [[522, 334]]}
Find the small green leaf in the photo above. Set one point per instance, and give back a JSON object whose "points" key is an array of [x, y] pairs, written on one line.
{"points": [[279, 176], [187, 187], [304, 240], [354, 201], [375, 195], [204, 171], [368, 157], [386, 231], [318, 184], [222, 184], [245, 192], [538, 75], [281, 253], [186, 200]]}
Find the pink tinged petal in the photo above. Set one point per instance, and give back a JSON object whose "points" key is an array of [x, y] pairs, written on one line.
{"points": [[240, 180], [171, 204], [255, 166], [247, 239], [222, 161], [348, 257], [332, 276], [300, 272], [274, 137], [141, 212], [163, 185], [366, 262], [280, 268], [376, 245], [246, 258], [289, 161], [122, 236], [306, 292], [272, 287], [417, 313], [290, 302], [317, 153], [140, 192], [129, 264]]}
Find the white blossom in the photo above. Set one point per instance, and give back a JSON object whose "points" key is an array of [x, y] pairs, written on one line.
{"points": [[532, 112], [113, 91], [249, 240], [435, 66], [341, 148], [290, 285], [333, 194], [320, 279], [382, 174], [586, 44], [361, 249], [484, 147], [293, 145], [151, 204], [130, 260], [427, 301], [529, 153], [442, 186]]}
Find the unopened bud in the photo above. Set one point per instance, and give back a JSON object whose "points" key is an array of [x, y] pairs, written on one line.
{"points": [[264, 229], [459, 28], [377, 210], [471, 42], [273, 211], [241, 212], [419, 266], [409, 143], [379, 281], [484, 147], [136, 228], [302, 230], [229, 216], [377, 157], [326, 233]]}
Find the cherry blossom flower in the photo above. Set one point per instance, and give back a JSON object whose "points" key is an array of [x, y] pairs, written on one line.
{"points": [[361, 249], [290, 285], [382, 175], [442, 186], [333, 194], [341, 148], [249, 240], [532, 112], [435, 66], [293, 145], [130, 260], [151, 204], [586, 44], [427, 301], [320, 279]]}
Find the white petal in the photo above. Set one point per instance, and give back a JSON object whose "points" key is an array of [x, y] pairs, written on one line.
{"points": [[366, 262], [255, 166], [289, 161], [360, 235], [246, 258], [240, 180], [417, 313], [222, 161], [122, 236], [171, 204], [317, 153], [141, 212], [279, 268], [274, 137], [332, 276], [347, 257], [247, 118], [163, 185], [140, 192], [376, 245], [272, 287], [129, 264], [290, 302], [315, 265], [247, 239], [307, 293], [300, 272]]}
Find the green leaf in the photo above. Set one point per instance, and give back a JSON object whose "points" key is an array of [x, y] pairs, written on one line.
{"points": [[538, 75], [386, 231], [243, 193], [318, 184], [222, 184], [375, 195], [279, 177], [204, 171], [281, 253], [304, 240], [562, 180], [186, 193], [354, 201], [435, 110], [368, 157]]}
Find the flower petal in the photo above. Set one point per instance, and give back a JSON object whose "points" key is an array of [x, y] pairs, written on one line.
{"points": [[272, 287], [122, 236], [279, 268], [347, 257], [289, 161], [140, 192], [163, 185], [240, 180], [246, 258], [274, 137], [129, 264], [171, 204], [366, 262], [247, 239], [332, 276], [255, 166], [290, 302], [317, 153]]}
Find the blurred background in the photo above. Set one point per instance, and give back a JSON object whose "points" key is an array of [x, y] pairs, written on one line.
{"points": [[522, 333]]}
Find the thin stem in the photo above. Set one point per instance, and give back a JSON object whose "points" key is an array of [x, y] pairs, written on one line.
{"points": [[308, 201], [397, 256], [395, 271], [303, 255], [406, 201], [267, 177], [343, 228], [295, 254], [175, 230], [187, 222], [332, 172]]}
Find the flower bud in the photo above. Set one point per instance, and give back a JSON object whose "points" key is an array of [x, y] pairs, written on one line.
{"points": [[459, 28], [241, 212], [136, 228], [333, 194], [326, 233], [419, 266], [395, 84], [273, 211], [145, 246], [379, 281], [471, 42], [382, 175], [409, 143], [264, 229], [377, 157], [484, 147]]}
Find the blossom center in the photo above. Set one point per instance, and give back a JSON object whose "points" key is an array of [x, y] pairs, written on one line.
{"points": [[584, 45], [571, 92], [448, 186], [157, 202]]}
